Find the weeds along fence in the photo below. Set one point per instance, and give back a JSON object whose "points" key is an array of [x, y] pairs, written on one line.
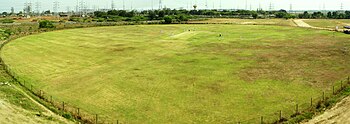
{"points": [[307, 110], [62, 108], [65, 109]]}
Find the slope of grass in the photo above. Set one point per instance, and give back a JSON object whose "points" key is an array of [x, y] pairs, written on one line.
{"points": [[166, 73], [328, 23], [281, 22]]}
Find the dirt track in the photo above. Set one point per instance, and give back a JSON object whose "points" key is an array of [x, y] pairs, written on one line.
{"points": [[10, 114], [301, 23], [339, 114], [47, 112]]}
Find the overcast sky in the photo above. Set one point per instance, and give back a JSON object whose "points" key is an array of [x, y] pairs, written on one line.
{"points": [[5, 5]]}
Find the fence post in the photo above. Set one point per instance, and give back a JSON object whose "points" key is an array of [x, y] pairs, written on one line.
{"points": [[51, 99], [78, 111], [40, 94], [333, 90], [96, 119], [311, 101], [63, 106], [348, 80], [297, 109], [323, 99], [262, 120], [280, 115], [341, 85], [118, 122]]}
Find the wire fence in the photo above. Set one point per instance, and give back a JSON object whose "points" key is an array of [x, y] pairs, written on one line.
{"points": [[70, 111], [315, 104]]}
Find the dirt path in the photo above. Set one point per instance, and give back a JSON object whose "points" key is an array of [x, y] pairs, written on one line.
{"points": [[301, 23], [339, 114], [47, 112], [10, 114]]}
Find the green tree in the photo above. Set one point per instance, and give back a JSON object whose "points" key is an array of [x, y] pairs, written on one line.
{"points": [[152, 15], [161, 14], [347, 14], [335, 15], [168, 20], [255, 15], [329, 15], [183, 18]]}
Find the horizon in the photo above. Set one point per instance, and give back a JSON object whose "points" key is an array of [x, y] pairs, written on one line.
{"points": [[65, 5]]}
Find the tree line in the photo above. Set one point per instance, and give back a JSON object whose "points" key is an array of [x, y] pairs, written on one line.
{"points": [[168, 15]]}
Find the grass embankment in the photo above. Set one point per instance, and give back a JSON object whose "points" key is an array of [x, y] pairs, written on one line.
{"points": [[158, 74], [281, 22], [15, 107], [328, 23]]}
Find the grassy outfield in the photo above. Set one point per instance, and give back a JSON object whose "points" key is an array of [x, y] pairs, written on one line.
{"points": [[328, 23], [166, 73]]}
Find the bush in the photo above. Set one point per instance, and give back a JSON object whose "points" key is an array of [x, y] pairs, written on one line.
{"points": [[5, 34], [7, 21], [183, 18], [168, 20], [46, 24], [67, 116]]}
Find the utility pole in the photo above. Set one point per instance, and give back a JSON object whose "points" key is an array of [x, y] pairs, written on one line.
{"points": [[213, 5], [324, 7], [37, 8], [55, 7], [246, 4], [112, 5], [82, 8], [271, 7], [12, 10], [260, 7], [160, 5], [131, 6], [206, 4], [27, 8], [290, 8], [341, 6], [152, 5], [77, 8], [123, 4]]}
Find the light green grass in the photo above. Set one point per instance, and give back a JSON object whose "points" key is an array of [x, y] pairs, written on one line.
{"points": [[165, 73], [328, 23]]}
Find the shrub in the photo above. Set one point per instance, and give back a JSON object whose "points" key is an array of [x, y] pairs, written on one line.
{"points": [[46, 24], [7, 21], [67, 116], [183, 18], [4, 34]]}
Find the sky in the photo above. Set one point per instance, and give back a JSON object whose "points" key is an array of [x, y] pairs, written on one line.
{"points": [[64, 5]]}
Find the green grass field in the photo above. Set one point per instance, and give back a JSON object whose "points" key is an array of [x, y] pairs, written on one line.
{"points": [[166, 73], [328, 23]]}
